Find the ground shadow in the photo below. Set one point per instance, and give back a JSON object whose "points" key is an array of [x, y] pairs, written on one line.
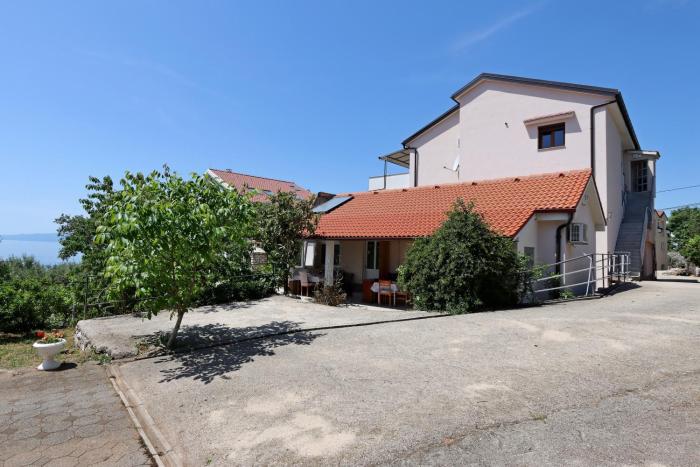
{"points": [[622, 287], [232, 348], [66, 366]]}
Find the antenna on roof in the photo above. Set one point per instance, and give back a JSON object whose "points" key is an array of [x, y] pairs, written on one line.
{"points": [[455, 166]]}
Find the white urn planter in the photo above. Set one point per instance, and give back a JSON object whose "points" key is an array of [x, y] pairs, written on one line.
{"points": [[47, 352]]}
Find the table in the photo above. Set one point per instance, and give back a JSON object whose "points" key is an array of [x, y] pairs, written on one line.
{"points": [[393, 289]]}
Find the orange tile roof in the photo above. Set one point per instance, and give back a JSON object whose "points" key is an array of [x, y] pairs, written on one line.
{"points": [[506, 204], [243, 182]]}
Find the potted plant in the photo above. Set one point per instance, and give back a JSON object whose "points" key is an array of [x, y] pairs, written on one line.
{"points": [[48, 346]]}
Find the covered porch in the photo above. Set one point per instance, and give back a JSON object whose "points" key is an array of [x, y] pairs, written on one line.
{"points": [[363, 266]]}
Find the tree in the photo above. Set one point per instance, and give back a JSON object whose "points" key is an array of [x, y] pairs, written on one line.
{"points": [[691, 250], [683, 224], [76, 235], [283, 221], [165, 236], [464, 265]]}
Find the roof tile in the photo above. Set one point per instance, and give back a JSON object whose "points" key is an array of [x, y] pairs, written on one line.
{"points": [[243, 182], [506, 205]]}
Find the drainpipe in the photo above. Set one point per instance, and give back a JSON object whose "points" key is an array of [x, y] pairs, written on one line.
{"points": [[385, 174], [593, 133], [559, 229]]}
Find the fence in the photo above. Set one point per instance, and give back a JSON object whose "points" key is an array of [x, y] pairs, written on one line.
{"points": [[583, 274]]}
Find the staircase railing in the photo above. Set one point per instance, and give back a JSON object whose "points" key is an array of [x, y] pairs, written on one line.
{"points": [[605, 268], [645, 229]]}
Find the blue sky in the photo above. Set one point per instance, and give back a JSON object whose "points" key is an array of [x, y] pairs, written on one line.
{"points": [[306, 91]]}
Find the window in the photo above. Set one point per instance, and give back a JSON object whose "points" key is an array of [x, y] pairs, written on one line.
{"points": [[640, 172], [336, 254], [578, 233], [529, 252], [372, 255], [550, 136]]}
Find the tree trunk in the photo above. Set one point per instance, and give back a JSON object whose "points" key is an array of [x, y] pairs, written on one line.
{"points": [[173, 335]]}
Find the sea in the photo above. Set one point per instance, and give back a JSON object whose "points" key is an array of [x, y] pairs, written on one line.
{"points": [[44, 247]]}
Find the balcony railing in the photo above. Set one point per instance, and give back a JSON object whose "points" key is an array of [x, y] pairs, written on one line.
{"points": [[382, 182]]}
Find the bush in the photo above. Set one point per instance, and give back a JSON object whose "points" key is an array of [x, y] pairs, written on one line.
{"points": [[249, 287], [332, 295], [691, 250], [33, 296], [464, 266]]}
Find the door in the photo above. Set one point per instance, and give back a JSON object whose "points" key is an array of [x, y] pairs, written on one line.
{"points": [[640, 176], [384, 260]]}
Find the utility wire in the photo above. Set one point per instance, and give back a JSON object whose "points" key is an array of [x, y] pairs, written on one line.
{"points": [[679, 188], [681, 206]]}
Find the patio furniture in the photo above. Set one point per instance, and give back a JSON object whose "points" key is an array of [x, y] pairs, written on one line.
{"points": [[403, 296], [386, 289], [305, 283]]}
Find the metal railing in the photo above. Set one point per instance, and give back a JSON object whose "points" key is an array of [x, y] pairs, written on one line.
{"points": [[605, 269]]}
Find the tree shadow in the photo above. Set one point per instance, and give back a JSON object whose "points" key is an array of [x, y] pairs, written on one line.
{"points": [[202, 359]]}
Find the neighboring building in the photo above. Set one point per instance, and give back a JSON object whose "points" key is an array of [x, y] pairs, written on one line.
{"points": [[507, 126], [661, 241], [370, 232], [265, 187]]}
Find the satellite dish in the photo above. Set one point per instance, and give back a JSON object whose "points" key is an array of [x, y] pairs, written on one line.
{"points": [[455, 164]]}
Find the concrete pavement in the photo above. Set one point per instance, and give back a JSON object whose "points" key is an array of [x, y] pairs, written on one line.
{"points": [[120, 336], [607, 382]]}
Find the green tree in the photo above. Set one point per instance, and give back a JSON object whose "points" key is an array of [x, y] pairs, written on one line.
{"points": [[463, 266], [691, 250], [283, 221], [166, 236], [683, 224], [76, 235]]}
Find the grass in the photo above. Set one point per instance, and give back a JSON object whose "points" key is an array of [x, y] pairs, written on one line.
{"points": [[16, 350]]}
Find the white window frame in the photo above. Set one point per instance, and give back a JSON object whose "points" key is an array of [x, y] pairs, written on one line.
{"points": [[578, 233]]}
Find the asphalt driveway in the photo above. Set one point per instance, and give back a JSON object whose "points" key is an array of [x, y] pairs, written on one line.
{"points": [[606, 382]]}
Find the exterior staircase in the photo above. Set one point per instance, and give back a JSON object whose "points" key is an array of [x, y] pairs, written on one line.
{"points": [[629, 238]]}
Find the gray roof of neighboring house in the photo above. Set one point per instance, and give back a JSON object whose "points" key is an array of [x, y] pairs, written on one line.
{"points": [[613, 93]]}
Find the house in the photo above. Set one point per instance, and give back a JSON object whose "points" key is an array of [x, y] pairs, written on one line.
{"points": [[370, 232], [264, 187], [507, 126], [661, 241]]}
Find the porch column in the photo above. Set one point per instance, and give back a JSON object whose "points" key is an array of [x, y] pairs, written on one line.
{"points": [[328, 262]]}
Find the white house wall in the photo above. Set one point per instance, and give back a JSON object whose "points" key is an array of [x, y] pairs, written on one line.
{"points": [[493, 140], [489, 136], [610, 177], [528, 237], [352, 258], [438, 147]]}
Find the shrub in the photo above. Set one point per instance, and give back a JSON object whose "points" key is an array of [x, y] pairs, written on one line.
{"points": [[464, 266], [332, 295], [33, 296], [691, 250]]}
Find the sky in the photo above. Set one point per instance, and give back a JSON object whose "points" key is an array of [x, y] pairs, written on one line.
{"points": [[311, 92]]}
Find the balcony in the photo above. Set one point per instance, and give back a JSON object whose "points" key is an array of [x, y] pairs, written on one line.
{"points": [[382, 182]]}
